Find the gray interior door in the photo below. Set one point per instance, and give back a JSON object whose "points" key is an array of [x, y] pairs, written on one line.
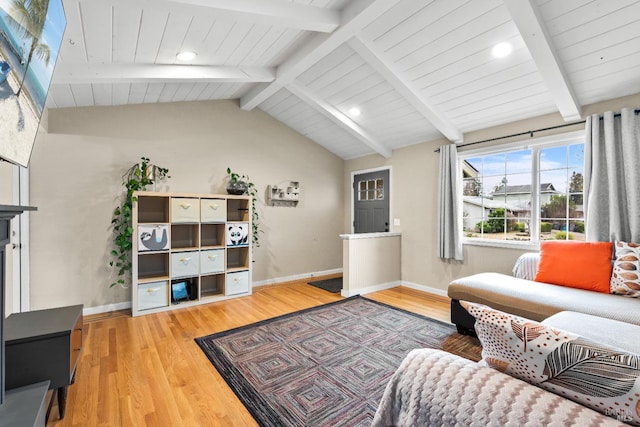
{"points": [[371, 202]]}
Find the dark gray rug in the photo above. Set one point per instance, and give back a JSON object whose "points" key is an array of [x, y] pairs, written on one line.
{"points": [[332, 285], [327, 365]]}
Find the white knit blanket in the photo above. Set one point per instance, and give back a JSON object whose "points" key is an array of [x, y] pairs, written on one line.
{"points": [[435, 388]]}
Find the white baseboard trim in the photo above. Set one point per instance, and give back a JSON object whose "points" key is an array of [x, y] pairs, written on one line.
{"points": [[296, 277], [106, 308], [127, 305], [369, 289], [425, 288]]}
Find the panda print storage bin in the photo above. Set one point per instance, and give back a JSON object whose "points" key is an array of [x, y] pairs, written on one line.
{"points": [[237, 234]]}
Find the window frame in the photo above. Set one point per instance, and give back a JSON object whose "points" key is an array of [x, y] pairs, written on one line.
{"points": [[535, 145]]}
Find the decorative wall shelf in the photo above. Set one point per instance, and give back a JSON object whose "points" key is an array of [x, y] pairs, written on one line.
{"points": [[285, 195]]}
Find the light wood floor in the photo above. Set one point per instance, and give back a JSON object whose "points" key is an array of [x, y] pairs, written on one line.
{"points": [[148, 371]]}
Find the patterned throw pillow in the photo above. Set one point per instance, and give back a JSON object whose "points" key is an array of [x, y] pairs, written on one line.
{"points": [[625, 278], [602, 378]]}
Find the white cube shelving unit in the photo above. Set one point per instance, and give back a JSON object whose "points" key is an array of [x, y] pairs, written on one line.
{"points": [[185, 237]]}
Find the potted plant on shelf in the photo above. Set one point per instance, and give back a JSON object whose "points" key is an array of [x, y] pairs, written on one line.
{"points": [[239, 185], [137, 178]]}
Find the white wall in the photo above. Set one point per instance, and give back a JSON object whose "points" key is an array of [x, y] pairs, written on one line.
{"points": [[76, 171]]}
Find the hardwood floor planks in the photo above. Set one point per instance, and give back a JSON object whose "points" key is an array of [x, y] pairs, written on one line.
{"points": [[430, 305], [149, 371]]}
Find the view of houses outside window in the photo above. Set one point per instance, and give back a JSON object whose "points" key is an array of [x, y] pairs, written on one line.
{"points": [[526, 195]]}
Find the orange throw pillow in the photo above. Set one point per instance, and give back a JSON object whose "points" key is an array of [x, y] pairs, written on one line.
{"points": [[583, 265]]}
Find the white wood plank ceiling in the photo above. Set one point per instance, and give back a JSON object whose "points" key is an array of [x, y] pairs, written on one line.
{"points": [[416, 69]]}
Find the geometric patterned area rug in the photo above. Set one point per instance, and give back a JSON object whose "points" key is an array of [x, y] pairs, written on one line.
{"points": [[327, 365]]}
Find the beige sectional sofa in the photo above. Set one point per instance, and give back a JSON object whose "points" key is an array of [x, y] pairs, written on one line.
{"points": [[534, 300], [584, 335]]}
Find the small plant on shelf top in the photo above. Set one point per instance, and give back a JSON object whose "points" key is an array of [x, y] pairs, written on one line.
{"points": [[137, 178], [238, 185]]}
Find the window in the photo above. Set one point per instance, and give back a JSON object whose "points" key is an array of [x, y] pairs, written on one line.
{"points": [[524, 194], [371, 189]]}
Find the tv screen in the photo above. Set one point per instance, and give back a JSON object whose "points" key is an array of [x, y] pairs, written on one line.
{"points": [[31, 33]]}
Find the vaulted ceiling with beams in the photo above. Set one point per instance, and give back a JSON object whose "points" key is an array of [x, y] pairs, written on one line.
{"points": [[416, 70]]}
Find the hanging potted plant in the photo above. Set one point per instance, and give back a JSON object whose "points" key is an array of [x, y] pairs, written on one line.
{"points": [[137, 178], [239, 185]]}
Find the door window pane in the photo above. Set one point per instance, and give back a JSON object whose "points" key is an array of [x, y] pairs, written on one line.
{"points": [[372, 189]]}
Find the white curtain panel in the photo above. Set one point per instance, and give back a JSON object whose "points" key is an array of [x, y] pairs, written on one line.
{"points": [[449, 218], [612, 177]]}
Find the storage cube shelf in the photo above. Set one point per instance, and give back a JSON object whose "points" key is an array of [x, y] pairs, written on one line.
{"points": [[212, 235], [184, 236], [212, 285], [238, 258], [153, 209], [153, 266], [200, 239], [238, 210]]}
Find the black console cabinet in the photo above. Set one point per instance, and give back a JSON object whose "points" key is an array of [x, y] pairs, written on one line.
{"points": [[44, 345], [22, 406]]}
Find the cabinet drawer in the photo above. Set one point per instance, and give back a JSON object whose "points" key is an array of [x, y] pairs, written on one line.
{"points": [[153, 295], [213, 210], [76, 346], [212, 261], [237, 283], [185, 210], [185, 264]]}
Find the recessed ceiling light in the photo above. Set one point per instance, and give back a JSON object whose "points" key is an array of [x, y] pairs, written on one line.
{"points": [[185, 56], [501, 50], [354, 111]]}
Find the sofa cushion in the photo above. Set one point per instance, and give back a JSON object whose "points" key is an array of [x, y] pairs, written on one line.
{"points": [[602, 378], [625, 336], [583, 265], [538, 301], [625, 278]]}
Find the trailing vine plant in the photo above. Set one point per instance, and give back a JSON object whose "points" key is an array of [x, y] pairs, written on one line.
{"points": [[137, 178], [249, 190]]}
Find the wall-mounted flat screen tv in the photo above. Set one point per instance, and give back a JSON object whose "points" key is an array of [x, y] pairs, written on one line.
{"points": [[31, 32]]}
